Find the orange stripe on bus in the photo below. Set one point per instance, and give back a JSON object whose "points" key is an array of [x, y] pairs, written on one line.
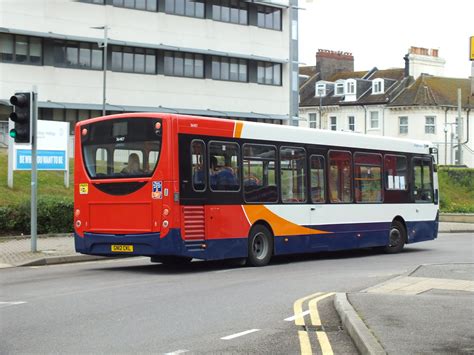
{"points": [[238, 129], [280, 226]]}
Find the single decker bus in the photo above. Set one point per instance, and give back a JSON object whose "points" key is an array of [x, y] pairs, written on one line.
{"points": [[175, 187]]}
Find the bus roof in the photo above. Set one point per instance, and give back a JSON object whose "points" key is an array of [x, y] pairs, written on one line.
{"points": [[291, 134]]}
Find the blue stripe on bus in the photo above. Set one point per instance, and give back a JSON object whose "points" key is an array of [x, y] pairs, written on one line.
{"points": [[362, 235]]}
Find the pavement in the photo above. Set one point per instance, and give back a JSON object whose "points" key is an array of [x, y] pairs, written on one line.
{"points": [[427, 311]]}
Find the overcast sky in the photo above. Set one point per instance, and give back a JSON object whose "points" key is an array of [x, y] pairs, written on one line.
{"points": [[379, 32]]}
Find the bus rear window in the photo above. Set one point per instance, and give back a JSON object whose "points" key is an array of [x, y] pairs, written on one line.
{"points": [[121, 148]]}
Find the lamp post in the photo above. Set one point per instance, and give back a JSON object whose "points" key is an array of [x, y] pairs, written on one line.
{"points": [[104, 46]]}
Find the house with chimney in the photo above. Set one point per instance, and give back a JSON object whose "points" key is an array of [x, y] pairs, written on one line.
{"points": [[415, 101]]}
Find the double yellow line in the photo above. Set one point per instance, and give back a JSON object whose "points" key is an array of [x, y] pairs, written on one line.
{"points": [[303, 335]]}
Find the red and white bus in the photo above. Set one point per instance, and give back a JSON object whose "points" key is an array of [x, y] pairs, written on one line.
{"points": [[175, 187]]}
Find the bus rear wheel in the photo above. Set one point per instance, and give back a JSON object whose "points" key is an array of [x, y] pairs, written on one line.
{"points": [[260, 247], [397, 238]]}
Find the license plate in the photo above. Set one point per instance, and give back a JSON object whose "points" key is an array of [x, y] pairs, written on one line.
{"points": [[122, 248]]}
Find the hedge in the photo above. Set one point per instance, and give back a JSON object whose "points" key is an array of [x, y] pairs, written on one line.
{"points": [[55, 215]]}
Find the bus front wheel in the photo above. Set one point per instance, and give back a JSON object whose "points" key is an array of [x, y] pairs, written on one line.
{"points": [[260, 247], [396, 238]]}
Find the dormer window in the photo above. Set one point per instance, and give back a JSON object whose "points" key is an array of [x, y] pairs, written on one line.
{"points": [[377, 86], [320, 90], [350, 87], [339, 91]]}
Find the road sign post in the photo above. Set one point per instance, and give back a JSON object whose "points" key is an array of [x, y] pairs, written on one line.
{"points": [[34, 171]]}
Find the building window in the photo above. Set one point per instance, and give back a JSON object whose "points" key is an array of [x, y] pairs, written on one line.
{"points": [[232, 69], [318, 185], [351, 121], [368, 177], [312, 120], [269, 73], [293, 174], [21, 49], [340, 177], [403, 125], [374, 119], [320, 90], [191, 8], [149, 5], [233, 11], [259, 164], [333, 123], [430, 124], [269, 17], [350, 87], [78, 55], [184, 64], [377, 86], [339, 89], [133, 60]]}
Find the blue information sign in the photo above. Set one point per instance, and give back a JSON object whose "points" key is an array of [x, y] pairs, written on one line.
{"points": [[46, 159]]}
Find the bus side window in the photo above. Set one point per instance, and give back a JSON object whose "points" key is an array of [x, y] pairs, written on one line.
{"points": [[423, 180], [318, 185], [340, 176], [293, 174], [198, 165]]}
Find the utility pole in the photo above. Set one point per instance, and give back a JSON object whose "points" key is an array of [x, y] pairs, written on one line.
{"points": [[293, 62], [459, 128], [34, 170], [104, 46]]}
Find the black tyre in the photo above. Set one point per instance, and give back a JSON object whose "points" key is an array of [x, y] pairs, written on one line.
{"points": [[397, 238], [260, 247], [171, 260]]}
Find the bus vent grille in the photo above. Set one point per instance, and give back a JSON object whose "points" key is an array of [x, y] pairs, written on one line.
{"points": [[194, 225], [194, 245]]}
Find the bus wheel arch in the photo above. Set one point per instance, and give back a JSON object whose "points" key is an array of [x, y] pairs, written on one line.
{"points": [[260, 244], [398, 236]]}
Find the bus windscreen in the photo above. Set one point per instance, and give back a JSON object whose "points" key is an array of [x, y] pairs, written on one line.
{"points": [[121, 148]]}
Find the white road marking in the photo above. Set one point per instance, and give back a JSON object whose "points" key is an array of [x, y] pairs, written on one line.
{"points": [[232, 336], [181, 351], [6, 304], [299, 315]]}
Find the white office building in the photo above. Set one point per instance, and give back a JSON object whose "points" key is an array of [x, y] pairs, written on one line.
{"points": [[220, 58]]}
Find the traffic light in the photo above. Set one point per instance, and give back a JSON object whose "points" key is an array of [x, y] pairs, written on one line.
{"points": [[21, 115]]}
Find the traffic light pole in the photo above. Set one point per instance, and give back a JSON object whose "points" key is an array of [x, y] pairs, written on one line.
{"points": [[34, 171]]}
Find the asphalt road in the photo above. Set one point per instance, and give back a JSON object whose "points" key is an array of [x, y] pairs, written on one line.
{"points": [[134, 306]]}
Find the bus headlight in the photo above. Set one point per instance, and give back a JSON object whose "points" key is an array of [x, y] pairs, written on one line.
{"points": [[165, 224]]}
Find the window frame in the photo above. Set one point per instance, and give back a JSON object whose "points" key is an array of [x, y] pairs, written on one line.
{"points": [[28, 50], [277, 169], [430, 126], [239, 165], [404, 125], [262, 9], [430, 160], [349, 124], [320, 90], [146, 52], [331, 124], [205, 169], [381, 166], [185, 9], [325, 193], [350, 87], [312, 122], [305, 178], [406, 172], [377, 86], [337, 86], [351, 177], [228, 61], [264, 65], [371, 120]]}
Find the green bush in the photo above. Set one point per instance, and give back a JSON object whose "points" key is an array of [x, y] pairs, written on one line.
{"points": [[456, 189], [55, 215]]}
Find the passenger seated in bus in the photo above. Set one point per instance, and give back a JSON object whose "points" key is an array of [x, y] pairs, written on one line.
{"points": [[221, 177], [133, 166], [251, 180]]}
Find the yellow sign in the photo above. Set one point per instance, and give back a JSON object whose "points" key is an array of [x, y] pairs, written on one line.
{"points": [[83, 189], [471, 57], [121, 248]]}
